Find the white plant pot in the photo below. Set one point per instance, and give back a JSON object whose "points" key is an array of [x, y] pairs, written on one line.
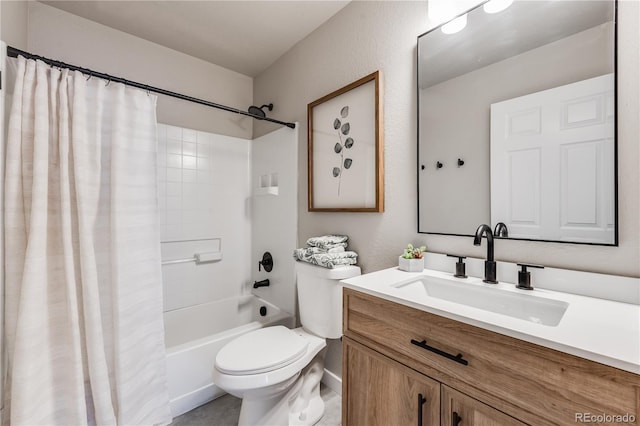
{"points": [[410, 265]]}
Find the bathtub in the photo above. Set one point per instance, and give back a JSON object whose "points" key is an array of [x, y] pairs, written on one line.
{"points": [[193, 337]]}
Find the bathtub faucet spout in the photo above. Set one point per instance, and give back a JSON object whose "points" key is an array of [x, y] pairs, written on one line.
{"points": [[263, 283]]}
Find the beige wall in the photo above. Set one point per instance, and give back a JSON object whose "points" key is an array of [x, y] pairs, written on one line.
{"points": [[363, 37], [13, 23], [367, 36], [69, 38]]}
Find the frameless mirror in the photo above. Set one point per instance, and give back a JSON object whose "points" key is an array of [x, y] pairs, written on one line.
{"points": [[516, 123]]}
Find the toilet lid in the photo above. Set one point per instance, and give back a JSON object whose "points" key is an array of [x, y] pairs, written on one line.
{"points": [[260, 351]]}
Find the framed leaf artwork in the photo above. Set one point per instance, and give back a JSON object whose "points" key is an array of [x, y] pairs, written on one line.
{"points": [[345, 149]]}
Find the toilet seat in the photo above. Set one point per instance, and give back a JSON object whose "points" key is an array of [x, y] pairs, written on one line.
{"points": [[261, 351], [242, 385]]}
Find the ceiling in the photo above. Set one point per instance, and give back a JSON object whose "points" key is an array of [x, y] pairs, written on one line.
{"points": [[244, 36]]}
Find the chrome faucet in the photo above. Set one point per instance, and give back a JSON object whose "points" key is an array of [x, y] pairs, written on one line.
{"points": [[489, 264]]}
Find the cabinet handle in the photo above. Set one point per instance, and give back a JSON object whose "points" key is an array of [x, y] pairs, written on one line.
{"points": [[455, 419], [421, 401], [457, 358]]}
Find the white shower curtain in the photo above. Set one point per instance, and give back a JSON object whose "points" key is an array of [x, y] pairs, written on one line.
{"points": [[84, 331]]}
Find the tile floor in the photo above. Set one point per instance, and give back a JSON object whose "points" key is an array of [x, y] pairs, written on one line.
{"points": [[225, 411]]}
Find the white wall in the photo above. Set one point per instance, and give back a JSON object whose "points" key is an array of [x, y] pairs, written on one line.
{"points": [[274, 217], [60, 35], [367, 36], [203, 192]]}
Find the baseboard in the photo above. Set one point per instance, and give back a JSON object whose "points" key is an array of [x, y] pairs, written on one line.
{"points": [[332, 381]]}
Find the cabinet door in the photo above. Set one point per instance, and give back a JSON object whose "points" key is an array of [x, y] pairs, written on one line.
{"points": [[459, 409], [377, 391]]}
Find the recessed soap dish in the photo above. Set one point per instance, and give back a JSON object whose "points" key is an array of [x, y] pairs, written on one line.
{"points": [[267, 184]]}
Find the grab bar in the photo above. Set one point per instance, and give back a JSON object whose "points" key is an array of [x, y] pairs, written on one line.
{"points": [[197, 258], [173, 262]]}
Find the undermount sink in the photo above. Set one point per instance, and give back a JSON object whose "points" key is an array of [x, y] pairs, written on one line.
{"points": [[522, 306]]}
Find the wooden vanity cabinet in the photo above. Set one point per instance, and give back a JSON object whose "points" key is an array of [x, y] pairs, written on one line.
{"points": [[459, 409], [485, 378], [382, 392]]}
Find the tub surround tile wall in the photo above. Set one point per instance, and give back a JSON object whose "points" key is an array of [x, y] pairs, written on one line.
{"points": [[274, 217], [203, 184], [209, 200], [188, 284], [202, 195]]}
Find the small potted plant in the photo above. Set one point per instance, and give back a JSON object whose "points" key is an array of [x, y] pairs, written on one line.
{"points": [[412, 259]]}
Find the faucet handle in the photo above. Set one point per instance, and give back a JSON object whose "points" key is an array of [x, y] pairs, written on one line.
{"points": [[267, 262], [460, 266], [524, 276], [501, 230]]}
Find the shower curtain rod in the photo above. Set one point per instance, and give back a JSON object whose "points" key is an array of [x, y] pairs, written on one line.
{"points": [[13, 52]]}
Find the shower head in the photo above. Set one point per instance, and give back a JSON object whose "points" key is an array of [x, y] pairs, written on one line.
{"points": [[258, 110]]}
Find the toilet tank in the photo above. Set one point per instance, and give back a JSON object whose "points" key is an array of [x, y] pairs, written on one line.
{"points": [[320, 297]]}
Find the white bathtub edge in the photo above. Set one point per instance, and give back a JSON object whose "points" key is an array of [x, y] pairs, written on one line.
{"points": [[190, 364], [184, 403], [332, 381]]}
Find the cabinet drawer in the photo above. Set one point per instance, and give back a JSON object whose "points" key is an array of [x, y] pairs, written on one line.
{"points": [[549, 384]]}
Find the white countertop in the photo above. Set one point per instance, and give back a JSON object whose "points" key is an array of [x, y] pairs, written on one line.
{"points": [[600, 330]]}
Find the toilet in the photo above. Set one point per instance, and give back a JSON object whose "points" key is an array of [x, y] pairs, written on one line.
{"points": [[277, 371]]}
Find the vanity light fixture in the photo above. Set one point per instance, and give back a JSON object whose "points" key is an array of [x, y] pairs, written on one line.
{"points": [[440, 11], [456, 25], [495, 6]]}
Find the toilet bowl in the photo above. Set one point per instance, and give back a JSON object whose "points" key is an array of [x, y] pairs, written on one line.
{"points": [[277, 371], [261, 368]]}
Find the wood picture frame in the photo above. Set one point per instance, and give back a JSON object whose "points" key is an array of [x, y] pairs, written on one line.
{"points": [[345, 149]]}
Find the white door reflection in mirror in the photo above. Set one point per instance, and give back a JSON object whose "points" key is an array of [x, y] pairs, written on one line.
{"points": [[552, 168]]}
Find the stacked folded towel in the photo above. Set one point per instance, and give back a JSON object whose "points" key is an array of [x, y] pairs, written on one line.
{"points": [[328, 242], [328, 251]]}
